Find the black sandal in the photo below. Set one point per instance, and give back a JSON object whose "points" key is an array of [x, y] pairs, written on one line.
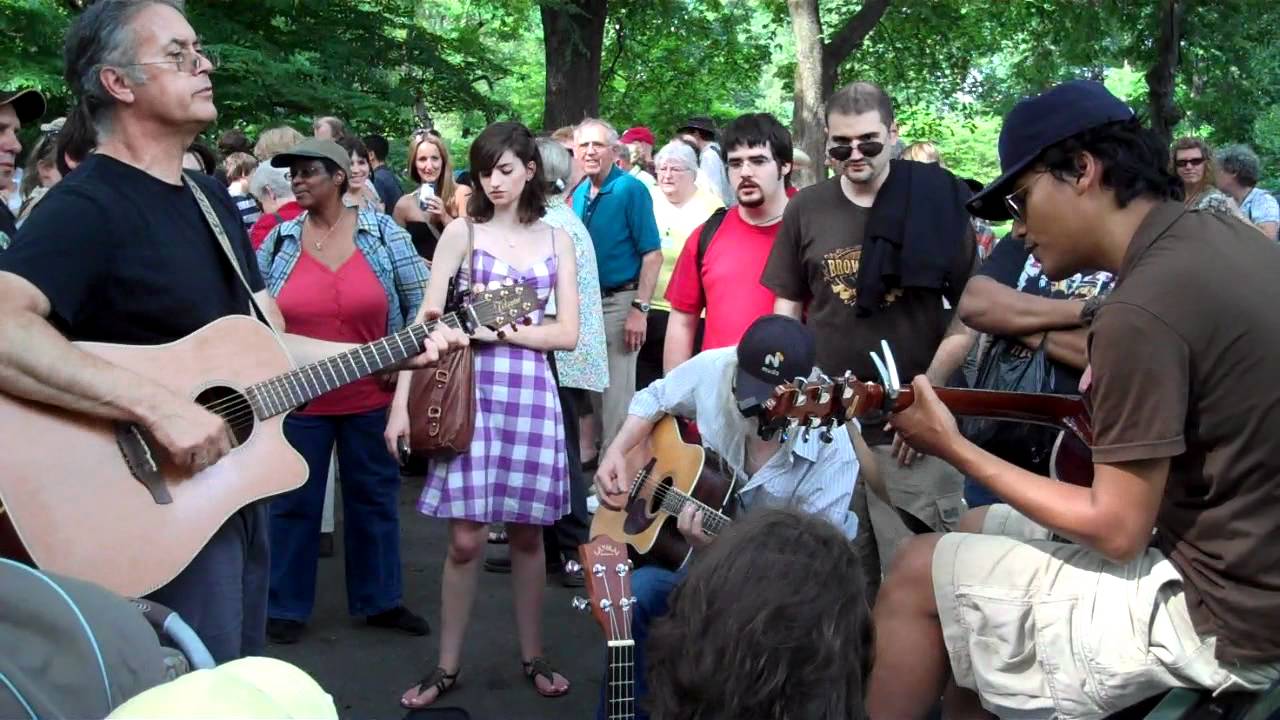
{"points": [[438, 678], [540, 667]]}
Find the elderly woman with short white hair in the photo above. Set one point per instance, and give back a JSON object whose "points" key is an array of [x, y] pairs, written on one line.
{"points": [[274, 191], [680, 207]]}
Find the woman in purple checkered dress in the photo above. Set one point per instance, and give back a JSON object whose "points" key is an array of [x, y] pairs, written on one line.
{"points": [[515, 471]]}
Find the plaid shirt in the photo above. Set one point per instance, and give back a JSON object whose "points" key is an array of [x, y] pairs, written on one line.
{"points": [[402, 272]]}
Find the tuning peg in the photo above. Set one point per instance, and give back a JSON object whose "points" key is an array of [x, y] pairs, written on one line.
{"points": [[825, 436], [580, 603], [526, 321], [805, 435], [502, 334]]}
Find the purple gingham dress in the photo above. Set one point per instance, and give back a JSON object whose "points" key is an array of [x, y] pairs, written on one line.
{"points": [[515, 470]]}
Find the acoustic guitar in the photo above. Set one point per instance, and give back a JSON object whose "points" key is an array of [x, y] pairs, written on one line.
{"points": [[821, 405], [608, 579], [99, 500], [668, 474]]}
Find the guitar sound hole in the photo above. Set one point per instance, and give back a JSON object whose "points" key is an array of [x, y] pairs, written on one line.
{"points": [[233, 406], [660, 491]]}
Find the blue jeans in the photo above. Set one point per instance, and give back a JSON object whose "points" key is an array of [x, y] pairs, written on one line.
{"points": [[651, 587], [370, 482], [222, 594]]}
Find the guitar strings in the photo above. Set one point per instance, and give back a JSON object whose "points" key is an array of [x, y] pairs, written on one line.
{"points": [[242, 405], [662, 492]]}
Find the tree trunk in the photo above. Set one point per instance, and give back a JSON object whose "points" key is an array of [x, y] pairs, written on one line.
{"points": [[1164, 111], [573, 35], [807, 125], [817, 72]]}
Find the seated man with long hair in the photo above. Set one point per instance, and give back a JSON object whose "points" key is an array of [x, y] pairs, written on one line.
{"points": [[770, 623]]}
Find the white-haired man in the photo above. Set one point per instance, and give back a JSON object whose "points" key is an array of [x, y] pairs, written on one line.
{"points": [[274, 192], [618, 212]]}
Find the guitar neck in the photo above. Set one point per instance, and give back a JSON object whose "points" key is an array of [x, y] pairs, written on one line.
{"points": [[622, 680], [285, 392], [1042, 409], [713, 521]]}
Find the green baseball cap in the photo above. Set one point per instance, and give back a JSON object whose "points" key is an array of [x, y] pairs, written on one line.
{"points": [[312, 148]]}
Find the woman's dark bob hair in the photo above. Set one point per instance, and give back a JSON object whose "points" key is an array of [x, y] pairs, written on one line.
{"points": [[485, 153]]}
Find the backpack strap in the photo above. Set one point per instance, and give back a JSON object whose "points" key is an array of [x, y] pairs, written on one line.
{"points": [[708, 232]]}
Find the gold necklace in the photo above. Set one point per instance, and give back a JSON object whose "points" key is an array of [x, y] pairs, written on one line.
{"points": [[320, 243]]}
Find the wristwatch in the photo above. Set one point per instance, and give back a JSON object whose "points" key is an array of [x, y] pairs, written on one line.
{"points": [[641, 306]]}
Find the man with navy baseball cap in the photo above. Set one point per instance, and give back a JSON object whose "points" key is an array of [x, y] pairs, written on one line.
{"points": [[1077, 600]]}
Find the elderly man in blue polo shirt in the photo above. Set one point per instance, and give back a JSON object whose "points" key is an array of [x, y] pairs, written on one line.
{"points": [[618, 212]]}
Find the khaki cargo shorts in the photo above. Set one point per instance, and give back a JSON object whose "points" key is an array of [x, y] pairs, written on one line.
{"points": [[1044, 629]]}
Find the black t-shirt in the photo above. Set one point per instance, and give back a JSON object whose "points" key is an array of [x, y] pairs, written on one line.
{"points": [[815, 259], [8, 226], [1012, 265], [125, 257]]}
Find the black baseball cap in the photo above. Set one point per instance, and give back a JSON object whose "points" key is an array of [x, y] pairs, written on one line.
{"points": [[1038, 122], [28, 104], [700, 122], [774, 350], [312, 148]]}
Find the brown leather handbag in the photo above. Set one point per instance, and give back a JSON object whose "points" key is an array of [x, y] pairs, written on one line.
{"points": [[442, 400]]}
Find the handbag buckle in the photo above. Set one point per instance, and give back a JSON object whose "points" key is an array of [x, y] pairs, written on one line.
{"points": [[442, 376], [434, 412]]}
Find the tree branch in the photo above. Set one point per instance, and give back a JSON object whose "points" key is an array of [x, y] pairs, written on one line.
{"points": [[847, 39], [618, 35]]}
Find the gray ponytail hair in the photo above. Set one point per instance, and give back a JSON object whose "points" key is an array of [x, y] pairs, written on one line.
{"points": [[101, 36]]}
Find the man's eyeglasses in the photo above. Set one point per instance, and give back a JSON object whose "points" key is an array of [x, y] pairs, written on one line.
{"points": [[1189, 162], [1016, 201], [186, 60], [844, 151], [755, 161]]}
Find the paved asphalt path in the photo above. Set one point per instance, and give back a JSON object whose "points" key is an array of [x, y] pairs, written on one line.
{"points": [[366, 669]]}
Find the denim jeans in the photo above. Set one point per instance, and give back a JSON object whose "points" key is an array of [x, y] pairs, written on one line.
{"points": [[222, 594], [651, 586], [369, 480]]}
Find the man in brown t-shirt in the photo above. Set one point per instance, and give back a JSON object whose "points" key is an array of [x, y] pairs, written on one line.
{"points": [[1166, 576], [820, 259]]}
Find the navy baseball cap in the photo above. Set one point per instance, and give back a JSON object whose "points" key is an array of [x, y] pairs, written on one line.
{"points": [[1038, 122], [774, 350]]}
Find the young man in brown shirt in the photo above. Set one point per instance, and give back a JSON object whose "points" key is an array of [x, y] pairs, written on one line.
{"points": [[1162, 573]]}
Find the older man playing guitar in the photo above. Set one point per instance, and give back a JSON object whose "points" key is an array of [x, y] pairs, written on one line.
{"points": [[123, 251]]}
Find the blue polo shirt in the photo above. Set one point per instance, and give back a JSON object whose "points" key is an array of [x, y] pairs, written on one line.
{"points": [[620, 220]]}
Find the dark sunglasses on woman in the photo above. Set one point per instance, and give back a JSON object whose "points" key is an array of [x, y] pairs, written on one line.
{"points": [[868, 148], [1189, 162]]}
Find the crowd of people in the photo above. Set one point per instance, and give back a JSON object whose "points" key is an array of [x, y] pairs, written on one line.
{"points": [[905, 563]]}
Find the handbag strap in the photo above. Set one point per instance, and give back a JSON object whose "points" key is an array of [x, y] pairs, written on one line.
{"points": [[215, 225]]}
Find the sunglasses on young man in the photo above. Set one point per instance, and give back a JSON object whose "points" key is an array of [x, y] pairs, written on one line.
{"points": [[844, 151], [1189, 162]]}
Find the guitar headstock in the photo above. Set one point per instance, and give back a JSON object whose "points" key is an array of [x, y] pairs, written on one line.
{"points": [[607, 572], [499, 307], [819, 405]]}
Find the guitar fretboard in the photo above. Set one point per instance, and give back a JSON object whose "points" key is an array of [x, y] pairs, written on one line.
{"points": [[286, 392], [622, 680], [674, 501]]}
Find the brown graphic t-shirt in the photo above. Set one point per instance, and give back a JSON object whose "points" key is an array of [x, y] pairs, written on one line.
{"points": [[816, 260], [1184, 355]]}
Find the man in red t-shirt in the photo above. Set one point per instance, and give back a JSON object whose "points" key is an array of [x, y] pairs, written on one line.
{"points": [[272, 188], [725, 281]]}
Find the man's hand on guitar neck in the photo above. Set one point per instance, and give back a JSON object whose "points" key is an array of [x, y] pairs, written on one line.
{"points": [[927, 426], [689, 523]]}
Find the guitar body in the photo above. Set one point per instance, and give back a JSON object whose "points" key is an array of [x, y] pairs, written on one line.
{"points": [[1071, 460], [667, 461], [72, 504]]}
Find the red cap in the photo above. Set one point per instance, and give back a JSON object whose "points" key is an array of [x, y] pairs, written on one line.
{"points": [[638, 134]]}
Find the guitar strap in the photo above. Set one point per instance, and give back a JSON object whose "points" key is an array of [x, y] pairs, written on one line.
{"points": [[215, 225]]}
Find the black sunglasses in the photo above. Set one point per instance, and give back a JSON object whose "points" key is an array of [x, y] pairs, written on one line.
{"points": [[868, 148], [1189, 162]]}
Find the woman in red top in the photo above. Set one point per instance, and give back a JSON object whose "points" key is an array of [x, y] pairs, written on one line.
{"points": [[344, 274]]}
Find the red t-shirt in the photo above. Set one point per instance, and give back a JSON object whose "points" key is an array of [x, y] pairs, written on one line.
{"points": [[265, 224], [346, 305], [729, 288]]}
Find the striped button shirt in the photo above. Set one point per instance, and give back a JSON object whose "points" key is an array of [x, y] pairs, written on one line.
{"points": [[813, 476]]}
